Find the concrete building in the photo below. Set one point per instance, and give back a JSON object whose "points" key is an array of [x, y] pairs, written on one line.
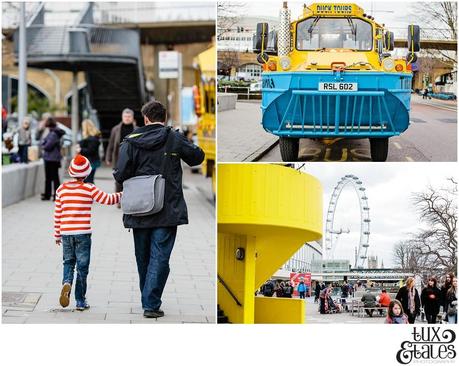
{"points": [[373, 262], [188, 28], [235, 56], [301, 261]]}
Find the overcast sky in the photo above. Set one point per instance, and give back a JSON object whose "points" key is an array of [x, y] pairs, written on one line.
{"points": [[389, 187], [394, 14]]}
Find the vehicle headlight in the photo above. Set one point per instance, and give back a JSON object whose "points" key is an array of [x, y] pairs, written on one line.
{"points": [[285, 62], [388, 64]]}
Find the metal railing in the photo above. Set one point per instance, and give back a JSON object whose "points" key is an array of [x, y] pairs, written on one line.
{"points": [[56, 40], [243, 92], [152, 12], [229, 291], [363, 112]]}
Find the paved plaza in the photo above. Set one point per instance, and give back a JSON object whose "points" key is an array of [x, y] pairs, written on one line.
{"points": [[241, 136], [32, 264]]}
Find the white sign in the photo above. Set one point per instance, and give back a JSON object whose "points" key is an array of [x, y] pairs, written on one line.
{"points": [[168, 65]]}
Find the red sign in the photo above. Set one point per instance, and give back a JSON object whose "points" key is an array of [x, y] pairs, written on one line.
{"points": [[296, 278]]}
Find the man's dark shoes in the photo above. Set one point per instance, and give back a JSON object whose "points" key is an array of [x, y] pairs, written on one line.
{"points": [[153, 313]]}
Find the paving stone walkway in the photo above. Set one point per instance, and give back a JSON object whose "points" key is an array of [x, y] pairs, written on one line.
{"points": [[32, 269]]}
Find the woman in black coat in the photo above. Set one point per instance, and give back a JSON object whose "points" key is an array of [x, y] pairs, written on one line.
{"points": [[444, 289], [409, 298], [89, 147], [431, 299]]}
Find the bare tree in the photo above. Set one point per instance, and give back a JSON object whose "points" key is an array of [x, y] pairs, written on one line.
{"points": [[407, 256], [228, 15], [437, 242], [227, 60], [441, 18], [432, 249], [401, 254]]}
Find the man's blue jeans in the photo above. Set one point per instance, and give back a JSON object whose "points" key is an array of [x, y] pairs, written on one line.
{"points": [[77, 251], [153, 249]]}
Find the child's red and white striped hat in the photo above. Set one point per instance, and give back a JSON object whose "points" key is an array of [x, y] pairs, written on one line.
{"points": [[79, 167]]}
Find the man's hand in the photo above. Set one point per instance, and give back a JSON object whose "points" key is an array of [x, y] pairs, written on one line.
{"points": [[108, 162], [58, 241]]}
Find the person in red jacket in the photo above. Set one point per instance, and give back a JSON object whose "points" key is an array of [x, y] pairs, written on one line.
{"points": [[384, 298]]}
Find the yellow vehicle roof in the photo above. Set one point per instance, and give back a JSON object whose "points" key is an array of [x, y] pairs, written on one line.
{"points": [[206, 62]]}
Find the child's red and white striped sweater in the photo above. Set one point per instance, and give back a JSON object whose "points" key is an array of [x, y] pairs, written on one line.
{"points": [[72, 211]]}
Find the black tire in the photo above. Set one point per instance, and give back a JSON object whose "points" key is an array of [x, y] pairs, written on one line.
{"points": [[379, 149], [289, 148]]}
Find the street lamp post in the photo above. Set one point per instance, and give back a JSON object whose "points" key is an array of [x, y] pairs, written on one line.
{"points": [[22, 87], [74, 109]]}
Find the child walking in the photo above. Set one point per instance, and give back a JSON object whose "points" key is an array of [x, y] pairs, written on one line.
{"points": [[72, 227]]}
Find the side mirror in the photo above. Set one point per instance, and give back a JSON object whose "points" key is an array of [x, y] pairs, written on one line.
{"points": [[271, 49], [389, 41], [414, 38], [261, 42]]}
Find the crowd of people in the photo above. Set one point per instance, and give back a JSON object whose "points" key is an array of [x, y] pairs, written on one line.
{"points": [[48, 134], [434, 303], [280, 289]]}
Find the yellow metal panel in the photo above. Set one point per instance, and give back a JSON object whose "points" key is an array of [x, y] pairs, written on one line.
{"points": [[270, 211], [274, 310], [256, 197], [238, 277]]}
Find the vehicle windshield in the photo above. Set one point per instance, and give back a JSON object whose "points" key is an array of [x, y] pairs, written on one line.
{"points": [[317, 33]]}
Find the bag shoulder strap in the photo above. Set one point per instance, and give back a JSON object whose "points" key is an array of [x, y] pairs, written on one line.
{"points": [[167, 149]]}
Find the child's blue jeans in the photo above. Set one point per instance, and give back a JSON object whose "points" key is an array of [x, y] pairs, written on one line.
{"points": [[77, 251]]}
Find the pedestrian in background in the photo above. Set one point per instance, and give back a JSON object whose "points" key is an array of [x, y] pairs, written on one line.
{"points": [[89, 146], [444, 289], [409, 298], [24, 140], [345, 290], [317, 292], [72, 228], [279, 290], [117, 135], [384, 299], [430, 300], [369, 301], [301, 289], [395, 313], [451, 302], [52, 157], [425, 93], [42, 131], [268, 289], [151, 150], [324, 297], [288, 290]]}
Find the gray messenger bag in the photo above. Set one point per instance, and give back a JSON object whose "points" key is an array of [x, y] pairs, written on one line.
{"points": [[144, 195]]}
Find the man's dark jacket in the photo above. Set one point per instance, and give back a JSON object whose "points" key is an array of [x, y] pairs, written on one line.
{"points": [[142, 153]]}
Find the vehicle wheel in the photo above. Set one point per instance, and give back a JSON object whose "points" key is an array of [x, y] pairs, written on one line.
{"points": [[379, 149], [289, 148]]}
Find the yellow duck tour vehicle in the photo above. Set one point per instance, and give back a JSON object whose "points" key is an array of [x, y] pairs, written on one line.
{"points": [[330, 75], [204, 101]]}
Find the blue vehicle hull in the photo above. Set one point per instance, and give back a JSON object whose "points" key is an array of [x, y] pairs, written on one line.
{"points": [[292, 105]]}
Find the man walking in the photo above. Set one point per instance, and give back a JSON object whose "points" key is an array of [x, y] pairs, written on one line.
{"points": [[117, 135], [150, 150]]}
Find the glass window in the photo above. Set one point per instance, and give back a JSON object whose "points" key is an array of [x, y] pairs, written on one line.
{"points": [[253, 69], [317, 33]]}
